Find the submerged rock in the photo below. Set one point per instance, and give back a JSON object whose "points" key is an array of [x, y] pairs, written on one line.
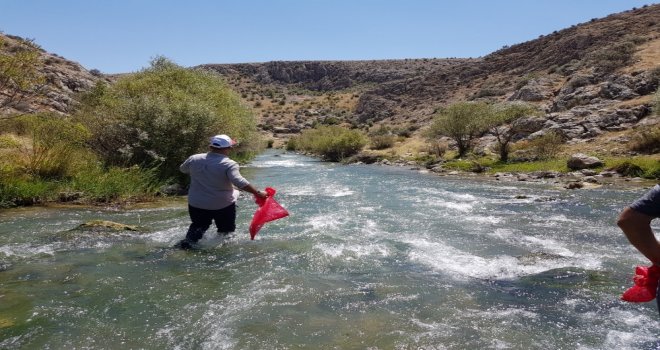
{"points": [[574, 185], [6, 323], [111, 225], [534, 257]]}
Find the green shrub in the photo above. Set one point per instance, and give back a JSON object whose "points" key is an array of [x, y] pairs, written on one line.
{"points": [[45, 145], [629, 169], [19, 191], [463, 122], [162, 115], [647, 141], [292, 144], [640, 166], [115, 184], [653, 172], [334, 143], [547, 146], [56, 145], [382, 141]]}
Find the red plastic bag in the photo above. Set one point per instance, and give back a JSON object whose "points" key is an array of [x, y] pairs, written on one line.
{"points": [[646, 284], [268, 210]]}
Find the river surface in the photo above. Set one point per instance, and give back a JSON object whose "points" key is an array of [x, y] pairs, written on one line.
{"points": [[371, 257]]}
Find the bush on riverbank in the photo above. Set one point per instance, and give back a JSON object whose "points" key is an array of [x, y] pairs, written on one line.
{"points": [[163, 114], [91, 186], [333, 143], [44, 158], [124, 142]]}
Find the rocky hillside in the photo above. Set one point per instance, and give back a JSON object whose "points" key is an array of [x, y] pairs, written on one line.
{"points": [[594, 80], [63, 80], [591, 79]]}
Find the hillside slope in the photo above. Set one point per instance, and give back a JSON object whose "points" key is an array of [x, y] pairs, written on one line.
{"points": [[63, 80], [595, 82], [591, 79]]}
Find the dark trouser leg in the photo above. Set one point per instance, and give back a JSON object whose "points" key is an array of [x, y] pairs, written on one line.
{"points": [[201, 220], [225, 219]]}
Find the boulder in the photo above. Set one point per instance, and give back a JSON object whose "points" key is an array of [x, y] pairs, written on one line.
{"points": [[614, 91], [531, 92], [574, 185], [580, 161]]}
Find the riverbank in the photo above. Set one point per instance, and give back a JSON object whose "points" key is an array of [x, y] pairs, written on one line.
{"points": [[585, 178]]}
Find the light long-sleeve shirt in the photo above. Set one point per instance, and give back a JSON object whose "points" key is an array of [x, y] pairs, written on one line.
{"points": [[211, 178]]}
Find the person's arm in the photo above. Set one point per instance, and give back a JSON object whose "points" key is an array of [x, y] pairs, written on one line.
{"points": [[254, 191], [185, 166], [239, 181], [637, 228]]}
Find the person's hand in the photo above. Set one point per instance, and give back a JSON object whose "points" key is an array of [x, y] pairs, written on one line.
{"points": [[261, 194]]}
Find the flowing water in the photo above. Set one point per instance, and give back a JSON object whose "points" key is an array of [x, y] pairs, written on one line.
{"points": [[371, 257]]}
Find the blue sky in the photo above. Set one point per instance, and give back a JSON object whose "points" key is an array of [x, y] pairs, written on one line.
{"points": [[119, 36]]}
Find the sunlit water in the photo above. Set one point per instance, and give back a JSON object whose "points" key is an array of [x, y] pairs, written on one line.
{"points": [[371, 257]]}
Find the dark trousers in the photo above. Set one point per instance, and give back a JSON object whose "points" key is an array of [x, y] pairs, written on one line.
{"points": [[225, 221]]}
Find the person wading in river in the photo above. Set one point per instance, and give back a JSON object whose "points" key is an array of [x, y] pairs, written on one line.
{"points": [[212, 196], [635, 222]]}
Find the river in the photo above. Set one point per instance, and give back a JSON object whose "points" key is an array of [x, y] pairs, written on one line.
{"points": [[371, 257]]}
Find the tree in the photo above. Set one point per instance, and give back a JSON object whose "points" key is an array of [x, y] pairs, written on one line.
{"points": [[505, 122], [163, 114], [462, 122], [20, 75]]}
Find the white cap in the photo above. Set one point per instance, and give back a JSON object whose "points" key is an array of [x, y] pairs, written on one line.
{"points": [[221, 141]]}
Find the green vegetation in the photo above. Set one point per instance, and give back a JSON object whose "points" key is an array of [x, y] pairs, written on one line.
{"points": [[161, 115], [640, 166], [382, 138], [463, 122], [124, 142], [527, 167], [333, 143], [20, 74], [646, 141], [544, 147], [45, 158], [505, 123], [646, 167]]}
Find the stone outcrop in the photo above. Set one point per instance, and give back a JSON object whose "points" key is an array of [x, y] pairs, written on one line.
{"points": [[582, 161]]}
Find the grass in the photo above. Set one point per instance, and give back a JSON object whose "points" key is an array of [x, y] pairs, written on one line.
{"points": [[528, 167], [22, 191], [641, 166], [92, 186], [491, 165], [114, 185]]}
